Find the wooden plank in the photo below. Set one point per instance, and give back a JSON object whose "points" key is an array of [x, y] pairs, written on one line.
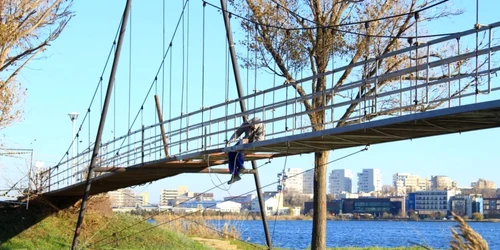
{"points": [[162, 128]]}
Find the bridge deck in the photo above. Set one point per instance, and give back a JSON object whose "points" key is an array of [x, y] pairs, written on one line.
{"points": [[431, 123]]}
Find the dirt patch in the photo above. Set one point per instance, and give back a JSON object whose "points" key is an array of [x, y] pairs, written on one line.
{"points": [[97, 204]]}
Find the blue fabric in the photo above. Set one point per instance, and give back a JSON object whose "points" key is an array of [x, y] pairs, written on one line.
{"points": [[236, 161]]}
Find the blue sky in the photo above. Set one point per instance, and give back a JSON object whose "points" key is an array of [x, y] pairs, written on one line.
{"points": [[64, 79]]}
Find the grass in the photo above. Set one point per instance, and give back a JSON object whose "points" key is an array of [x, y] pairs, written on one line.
{"points": [[56, 232], [465, 238], [199, 227]]}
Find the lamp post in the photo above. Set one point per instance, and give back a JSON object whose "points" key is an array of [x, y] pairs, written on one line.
{"points": [[73, 116]]}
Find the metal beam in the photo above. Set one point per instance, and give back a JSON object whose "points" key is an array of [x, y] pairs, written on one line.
{"points": [[224, 171], [308, 146], [440, 127], [239, 88], [386, 134], [101, 124], [145, 170]]}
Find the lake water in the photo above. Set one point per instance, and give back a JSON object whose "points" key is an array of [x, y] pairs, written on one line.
{"points": [[297, 234]]}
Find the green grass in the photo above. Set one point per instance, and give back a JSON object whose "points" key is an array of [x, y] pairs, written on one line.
{"points": [[56, 232], [249, 246]]}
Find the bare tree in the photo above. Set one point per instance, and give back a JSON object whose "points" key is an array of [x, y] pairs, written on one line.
{"points": [[294, 198], [292, 36], [26, 28], [388, 190]]}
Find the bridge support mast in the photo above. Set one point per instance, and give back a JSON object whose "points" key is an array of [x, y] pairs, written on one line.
{"points": [[239, 88], [104, 113]]}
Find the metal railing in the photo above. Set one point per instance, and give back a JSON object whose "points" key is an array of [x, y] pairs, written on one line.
{"points": [[430, 83]]}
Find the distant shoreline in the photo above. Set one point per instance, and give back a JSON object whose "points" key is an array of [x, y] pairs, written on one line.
{"points": [[249, 217]]}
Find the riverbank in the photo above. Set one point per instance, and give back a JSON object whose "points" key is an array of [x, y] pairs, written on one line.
{"points": [[121, 231], [245, 217]]}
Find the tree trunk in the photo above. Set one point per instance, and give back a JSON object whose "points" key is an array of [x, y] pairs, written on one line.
{"points": [[319, 204]]}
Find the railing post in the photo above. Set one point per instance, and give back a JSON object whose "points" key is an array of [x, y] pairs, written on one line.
{"points": [[427, 77], [449, 86], [205, 138], [142, 145], [489, 60], [459, 73], [376, 85]]}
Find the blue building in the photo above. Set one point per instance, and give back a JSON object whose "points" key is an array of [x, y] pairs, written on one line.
{"points": [[465, 205], [411, 201], [491, 208]]}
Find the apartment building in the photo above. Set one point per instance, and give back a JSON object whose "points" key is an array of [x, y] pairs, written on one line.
{"points": [[340, 181], [370, 180], [308, 182], [294, 181], [124, 197]]}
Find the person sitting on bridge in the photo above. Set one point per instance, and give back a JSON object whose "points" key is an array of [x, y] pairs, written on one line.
{"points": [[254, 131]]}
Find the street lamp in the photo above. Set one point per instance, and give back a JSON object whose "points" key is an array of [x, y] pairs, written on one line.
{"points": [[73, 116]]}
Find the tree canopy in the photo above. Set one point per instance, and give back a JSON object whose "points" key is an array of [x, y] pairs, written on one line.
{"points": [[26, 29]]}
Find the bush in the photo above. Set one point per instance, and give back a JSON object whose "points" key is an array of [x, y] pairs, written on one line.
{"points": [[477, 216], [414, 217], [386, 215]]}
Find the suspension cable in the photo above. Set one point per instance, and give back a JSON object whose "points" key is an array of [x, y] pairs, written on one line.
{"points": [[357, 22], [129, 81], [183, 73], [187, 80], [160, 66], [477, 26], [87, 114], [163, 68], [334, 27], [279, 197], [203, 77]]}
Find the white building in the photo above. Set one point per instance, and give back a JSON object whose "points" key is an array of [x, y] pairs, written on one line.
{"points": [[124, 197], [370, 180], [142, 199], [228, 207], [204, 196], [434, 201], [225, 206], [345, 195], [169, 196], [405, 183], [270, 205], [424, 184], [245, 201], [483, 184], [294, 180], [308, 182], [441, 182], [200, 205], [340, 181]]}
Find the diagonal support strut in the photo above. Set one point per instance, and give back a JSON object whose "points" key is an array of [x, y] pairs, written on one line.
{"points": [[243, 109]]}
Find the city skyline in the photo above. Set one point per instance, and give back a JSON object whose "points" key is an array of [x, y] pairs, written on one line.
{"points": [[183, 190]]}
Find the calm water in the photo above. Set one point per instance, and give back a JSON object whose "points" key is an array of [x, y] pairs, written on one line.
{"points": [[297, 234]]}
